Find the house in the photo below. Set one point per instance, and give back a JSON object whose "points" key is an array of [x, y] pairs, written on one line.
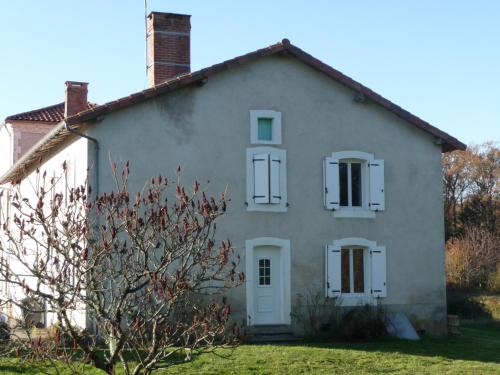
{"points": [[334, 189]]}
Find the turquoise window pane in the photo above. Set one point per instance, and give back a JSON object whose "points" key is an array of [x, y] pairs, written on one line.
{"points": [[265, 132]]}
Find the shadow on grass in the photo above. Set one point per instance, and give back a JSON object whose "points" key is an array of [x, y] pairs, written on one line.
{"points": [[479, 341]]}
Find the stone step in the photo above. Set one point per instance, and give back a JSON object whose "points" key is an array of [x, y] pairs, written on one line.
{"points": [[270, 329]]}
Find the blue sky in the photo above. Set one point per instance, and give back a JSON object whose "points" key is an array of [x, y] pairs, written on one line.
{"points": [[438, 59]]}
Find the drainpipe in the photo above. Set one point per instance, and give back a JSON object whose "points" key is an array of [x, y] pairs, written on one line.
{"points": [[96, 155]]}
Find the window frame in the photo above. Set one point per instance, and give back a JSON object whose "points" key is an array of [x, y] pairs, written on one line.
{"points": [[355, 299], [282, 206], [255, 115]]}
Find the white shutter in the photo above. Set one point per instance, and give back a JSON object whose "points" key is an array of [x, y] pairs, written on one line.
{"points": [[379, 275], [261, 178], [331, 183], [377, 195], [274, 174], [333, 267]]}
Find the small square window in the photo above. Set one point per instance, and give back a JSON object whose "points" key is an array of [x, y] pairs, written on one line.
{"points": [[265, 129]]}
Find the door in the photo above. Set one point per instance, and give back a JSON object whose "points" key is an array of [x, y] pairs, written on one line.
{"points": [[268, 284]]}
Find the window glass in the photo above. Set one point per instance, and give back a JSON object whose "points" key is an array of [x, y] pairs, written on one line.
{"points": [[264, 272], [345, 270], [265, 129], [356, 184], [352, 271], [358, 270], [343, 184]]}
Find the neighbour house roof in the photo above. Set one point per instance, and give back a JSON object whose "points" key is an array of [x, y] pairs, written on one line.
{"points": [[59, 134], [50, 114]]}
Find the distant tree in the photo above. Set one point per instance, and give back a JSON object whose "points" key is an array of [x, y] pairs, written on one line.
{"points": [[471, 188], [144, 265]]}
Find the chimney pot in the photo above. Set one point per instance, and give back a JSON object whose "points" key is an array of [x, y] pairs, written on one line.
{"points": [[76, 98], [168, 44]]}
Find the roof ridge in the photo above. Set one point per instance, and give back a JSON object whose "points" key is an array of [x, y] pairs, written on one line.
{"points": [[49, 107]]}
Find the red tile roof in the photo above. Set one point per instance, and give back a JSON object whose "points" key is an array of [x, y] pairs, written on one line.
{"points": [[52, 140], [50, 114]]}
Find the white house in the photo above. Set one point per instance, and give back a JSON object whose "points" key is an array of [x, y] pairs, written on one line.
{"points": [[334, 189]]}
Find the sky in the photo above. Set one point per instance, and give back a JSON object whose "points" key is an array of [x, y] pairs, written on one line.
{"points": [[438, 59]]}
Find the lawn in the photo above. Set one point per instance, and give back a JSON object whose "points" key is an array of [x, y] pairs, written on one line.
{"points": [[477, 351]]}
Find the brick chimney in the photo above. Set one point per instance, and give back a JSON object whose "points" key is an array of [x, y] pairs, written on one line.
{"points": [[168, 43], [76, 98]]}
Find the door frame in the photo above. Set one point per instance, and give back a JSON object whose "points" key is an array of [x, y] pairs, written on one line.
{"points": [[285, 300]]}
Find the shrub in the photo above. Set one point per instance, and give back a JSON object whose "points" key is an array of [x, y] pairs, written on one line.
{"points": [[494, 280], [471, 259], [466, 306], [362, 323]]}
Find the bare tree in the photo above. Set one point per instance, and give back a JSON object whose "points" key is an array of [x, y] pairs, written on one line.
{"points": [[144, 267]]}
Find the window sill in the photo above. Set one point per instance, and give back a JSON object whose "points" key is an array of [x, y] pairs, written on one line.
{"points": [[352, 213], [258, 207], [355, 300]]}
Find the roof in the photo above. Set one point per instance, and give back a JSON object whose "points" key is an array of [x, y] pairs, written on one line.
{"points": [[51, 114], [59, 134]]}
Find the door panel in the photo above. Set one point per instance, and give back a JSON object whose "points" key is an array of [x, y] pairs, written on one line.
{"points": [[268, 284]]}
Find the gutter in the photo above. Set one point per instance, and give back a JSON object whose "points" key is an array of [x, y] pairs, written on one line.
{"points": [[96, 155]]}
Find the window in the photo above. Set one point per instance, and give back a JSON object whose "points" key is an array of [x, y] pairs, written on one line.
{"points": [[355, 268], [353, 184], [264, 271], [266, 179], [265, 127], [350, 184]]}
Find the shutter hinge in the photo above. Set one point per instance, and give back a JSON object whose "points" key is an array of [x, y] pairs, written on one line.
{"points": [[278, 160], [277, 196], [333, 162], [326, 190], [374, 164], [254, 160], [258, 196]]}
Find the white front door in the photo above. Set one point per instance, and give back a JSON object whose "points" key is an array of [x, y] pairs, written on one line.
{"points": [[268, 285]]}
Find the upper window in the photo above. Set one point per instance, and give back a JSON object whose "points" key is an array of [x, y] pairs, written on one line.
{"points": [[266, 179], [353, 184], [265, 127]]}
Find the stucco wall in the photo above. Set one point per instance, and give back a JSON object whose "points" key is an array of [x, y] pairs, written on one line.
{"points": [[207, 130]]}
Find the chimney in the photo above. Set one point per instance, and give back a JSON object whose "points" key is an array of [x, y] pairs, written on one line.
{"points": [[168, 42], [76, 98]]}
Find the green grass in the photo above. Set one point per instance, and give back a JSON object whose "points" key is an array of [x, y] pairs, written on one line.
{"points": [[476, 351]]}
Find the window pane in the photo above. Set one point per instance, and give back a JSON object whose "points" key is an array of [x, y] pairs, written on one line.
{"points": [[346, 283], [356, 184], [359, 274], [344, 201], [265, 129], [264, 271]]}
